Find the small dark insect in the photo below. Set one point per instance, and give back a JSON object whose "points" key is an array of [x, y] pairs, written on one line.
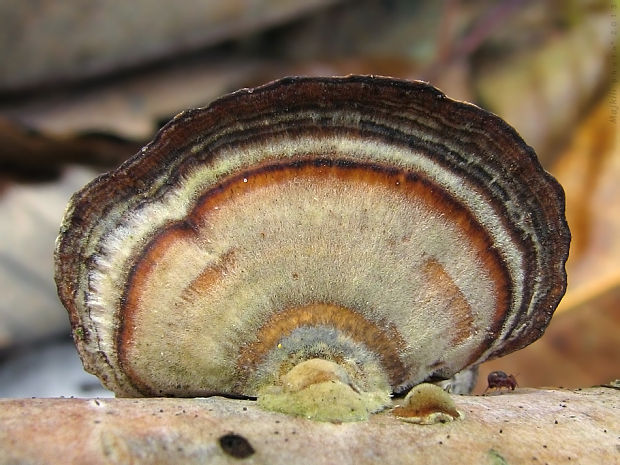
{"points": [[236, 446], [499, 379]]}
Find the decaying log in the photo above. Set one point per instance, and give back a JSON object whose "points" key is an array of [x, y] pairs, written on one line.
{"points": [[552, 426]]}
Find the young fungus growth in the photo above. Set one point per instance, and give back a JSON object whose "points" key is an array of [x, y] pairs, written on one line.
{"points": [[427, 404]]}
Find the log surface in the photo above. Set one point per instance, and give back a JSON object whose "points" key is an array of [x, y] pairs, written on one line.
{"points": [[525, 426]]}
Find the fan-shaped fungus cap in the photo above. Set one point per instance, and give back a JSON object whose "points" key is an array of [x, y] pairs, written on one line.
{"points": [[366, 221]]}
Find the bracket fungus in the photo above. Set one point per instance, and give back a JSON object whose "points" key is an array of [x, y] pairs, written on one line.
{"points": [[369, 222]]}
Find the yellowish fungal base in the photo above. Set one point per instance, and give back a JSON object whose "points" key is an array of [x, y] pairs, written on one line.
{"points": [[321, 390]]}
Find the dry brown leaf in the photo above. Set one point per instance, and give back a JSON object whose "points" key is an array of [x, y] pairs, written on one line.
{"points": [[589, 170]]}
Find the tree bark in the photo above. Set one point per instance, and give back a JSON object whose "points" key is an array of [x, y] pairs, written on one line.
{"points": [[539, 426]]}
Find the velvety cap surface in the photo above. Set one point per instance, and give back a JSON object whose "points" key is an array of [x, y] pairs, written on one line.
{"points": [[367, 221]]}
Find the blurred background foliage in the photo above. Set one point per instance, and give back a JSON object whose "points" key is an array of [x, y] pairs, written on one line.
{"points": [[85, 83]]}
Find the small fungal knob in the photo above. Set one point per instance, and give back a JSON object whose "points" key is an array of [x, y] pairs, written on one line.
{"points": [[314, 371], [369, 222], [427, 404]]}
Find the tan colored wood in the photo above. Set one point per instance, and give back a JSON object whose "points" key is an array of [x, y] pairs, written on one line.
{"points": [[525, 426]]}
